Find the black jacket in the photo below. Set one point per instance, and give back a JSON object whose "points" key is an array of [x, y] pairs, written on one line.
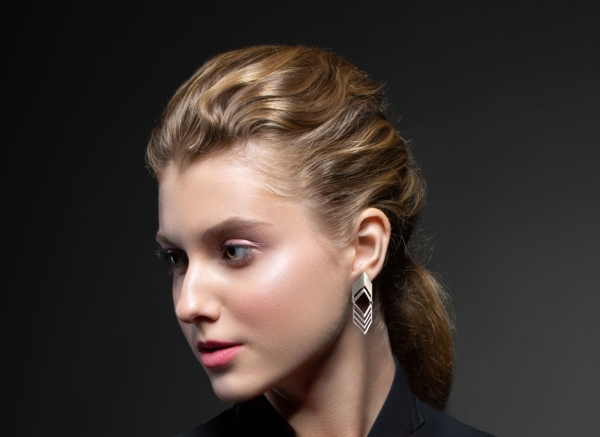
{"points": [[402, 415]]}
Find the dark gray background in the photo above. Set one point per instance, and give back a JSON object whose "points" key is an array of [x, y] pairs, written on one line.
{"points": [[501, 104]]}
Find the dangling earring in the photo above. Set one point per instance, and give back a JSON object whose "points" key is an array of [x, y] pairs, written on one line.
{"points": [[362, 297]]}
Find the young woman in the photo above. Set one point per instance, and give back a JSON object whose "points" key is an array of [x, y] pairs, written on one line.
{"points": [[286, 204]]}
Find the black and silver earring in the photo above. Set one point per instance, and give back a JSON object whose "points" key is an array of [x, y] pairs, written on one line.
{"points": [[362, 299]]}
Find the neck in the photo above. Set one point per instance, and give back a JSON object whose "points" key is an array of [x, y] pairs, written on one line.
{"points": [[341, 392]]}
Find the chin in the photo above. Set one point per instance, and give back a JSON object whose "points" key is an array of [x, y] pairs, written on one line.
{"points": [[229, 390]]}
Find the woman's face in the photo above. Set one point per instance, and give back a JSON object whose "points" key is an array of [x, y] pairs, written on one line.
{"points": [[258, 293]]}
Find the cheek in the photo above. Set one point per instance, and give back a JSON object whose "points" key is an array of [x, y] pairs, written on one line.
{"points": [[297, 290]]}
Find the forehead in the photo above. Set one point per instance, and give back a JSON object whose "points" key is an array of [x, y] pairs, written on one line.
{"points": [[244, 168], [215, 189], [205, 179]]}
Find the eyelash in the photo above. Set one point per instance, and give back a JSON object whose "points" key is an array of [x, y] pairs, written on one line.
{"points": [[167, 255]]}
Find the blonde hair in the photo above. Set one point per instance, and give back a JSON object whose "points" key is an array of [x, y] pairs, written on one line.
{"points": [[326, 121]]}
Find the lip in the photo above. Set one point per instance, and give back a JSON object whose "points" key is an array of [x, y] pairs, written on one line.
{"points": [[215, 353]]}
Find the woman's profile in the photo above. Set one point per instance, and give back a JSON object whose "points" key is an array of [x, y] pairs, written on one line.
{"points": [[286, 204]]}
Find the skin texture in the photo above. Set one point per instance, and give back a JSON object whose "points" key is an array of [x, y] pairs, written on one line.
{"points": [[251, 268]]}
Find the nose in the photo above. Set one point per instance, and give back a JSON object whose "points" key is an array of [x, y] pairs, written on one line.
{"points": [[195, 298]]}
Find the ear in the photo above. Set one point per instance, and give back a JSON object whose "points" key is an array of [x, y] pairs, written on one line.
{"points": [[371, 243]]}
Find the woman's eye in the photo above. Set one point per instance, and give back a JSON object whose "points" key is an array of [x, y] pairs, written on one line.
{"points": [[236, 252], [173, 258]]}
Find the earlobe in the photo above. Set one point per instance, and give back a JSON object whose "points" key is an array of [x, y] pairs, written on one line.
{"points": [[373, 237]]}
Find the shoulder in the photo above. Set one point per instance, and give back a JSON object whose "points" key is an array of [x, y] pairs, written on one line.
{"points": [[438, 424], [403, 414]]}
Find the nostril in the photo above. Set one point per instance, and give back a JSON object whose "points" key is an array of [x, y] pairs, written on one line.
{"points": [[192, 311]]}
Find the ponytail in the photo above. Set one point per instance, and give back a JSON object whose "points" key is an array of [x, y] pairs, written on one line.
{"points": [[419, 327]]}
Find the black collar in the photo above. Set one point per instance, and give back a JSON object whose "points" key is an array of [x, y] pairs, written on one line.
{"points": [[400, 416]]}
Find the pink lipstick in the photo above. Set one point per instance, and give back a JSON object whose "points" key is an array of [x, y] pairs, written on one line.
{"points": [[217, 353]]}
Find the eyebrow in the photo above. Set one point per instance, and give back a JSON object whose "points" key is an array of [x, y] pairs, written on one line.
{"points": [[231, 224]]}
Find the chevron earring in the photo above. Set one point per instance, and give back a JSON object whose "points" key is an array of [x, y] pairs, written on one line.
{"points": [[362, 298]]}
